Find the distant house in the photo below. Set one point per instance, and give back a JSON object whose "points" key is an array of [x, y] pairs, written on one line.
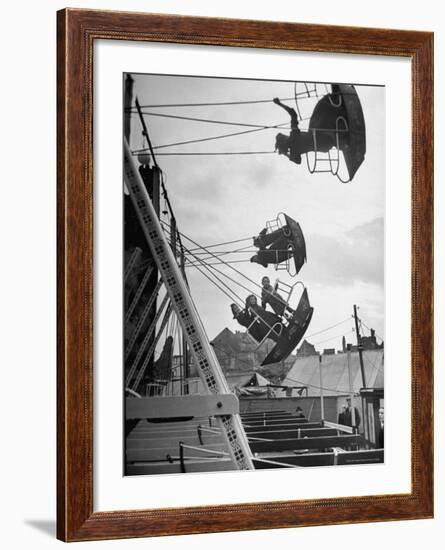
{"points": [[370, 342], [306, 349], [238, 351]]}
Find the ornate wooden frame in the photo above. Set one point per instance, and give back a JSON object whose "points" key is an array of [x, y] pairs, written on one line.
{"points": [[77, 30]]}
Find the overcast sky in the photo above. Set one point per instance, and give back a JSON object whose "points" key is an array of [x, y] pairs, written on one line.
{"points": [[223, 198]]}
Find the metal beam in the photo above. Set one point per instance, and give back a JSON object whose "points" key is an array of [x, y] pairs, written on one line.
{"points": [[181, 406]]}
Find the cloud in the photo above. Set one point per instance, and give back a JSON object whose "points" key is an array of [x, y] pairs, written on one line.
{"points": [[357, 257]]}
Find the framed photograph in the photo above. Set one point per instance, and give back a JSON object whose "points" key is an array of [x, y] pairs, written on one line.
{"points": [[245, 230]]}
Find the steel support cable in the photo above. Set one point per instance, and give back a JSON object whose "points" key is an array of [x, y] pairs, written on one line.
{"points": [[230, 262], [132, 263], [233, 280], [208, 104], [211, 254], [145, 341], [166, 228], [238, 299], [205, 256], [145, 133], [245, 251], [213, 121], [150, 148], [213, 282], [222, 244], [215, 154], [152, 348], [204, 264], [138, 293], [142, 319], [201, 140]]}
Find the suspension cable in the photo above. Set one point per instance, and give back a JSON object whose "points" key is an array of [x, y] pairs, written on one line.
{"points": [[214, 154], [231, 267], [211, 104], [216, 284], [201, 140], [205, 266], [212, 121], [221, 244]]}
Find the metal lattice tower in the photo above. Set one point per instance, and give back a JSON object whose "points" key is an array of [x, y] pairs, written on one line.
{"points": [[203, 353]]}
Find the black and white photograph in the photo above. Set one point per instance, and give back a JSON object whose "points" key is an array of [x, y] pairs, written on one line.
{"points": [[253, 274]]}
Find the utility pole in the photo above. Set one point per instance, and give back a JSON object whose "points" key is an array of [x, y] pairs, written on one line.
{"points": [[321, 389], [351, 389], [359, 347]]}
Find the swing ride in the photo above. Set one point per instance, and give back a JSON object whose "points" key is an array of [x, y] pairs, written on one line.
{"points": [[164, 336], [327, 126], [281, 241], [335, 134]]}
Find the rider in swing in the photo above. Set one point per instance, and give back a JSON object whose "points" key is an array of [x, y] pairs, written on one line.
{"points": [[257, 320], [299, 142]]}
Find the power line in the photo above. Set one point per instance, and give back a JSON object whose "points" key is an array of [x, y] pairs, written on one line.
{"points": [[363, 323], [328, 328], [332, 338]]}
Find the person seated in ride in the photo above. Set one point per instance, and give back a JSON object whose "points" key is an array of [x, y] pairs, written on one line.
{"points": [[243, 316], [299, 142], [278, 243], [257, 320], [270, 296]]}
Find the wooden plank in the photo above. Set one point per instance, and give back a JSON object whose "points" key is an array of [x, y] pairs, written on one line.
{"points": [[277, 427], [275, 421], [302, 460], [289, 434], [309, 443], [181, 406], [373, 456]]}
